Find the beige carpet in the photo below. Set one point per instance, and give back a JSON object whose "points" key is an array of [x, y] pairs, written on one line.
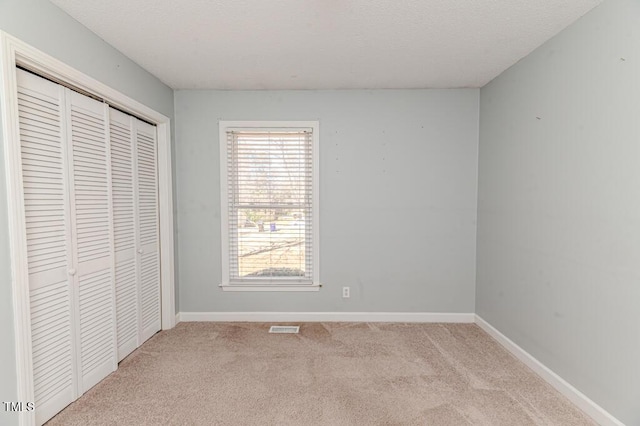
{"points": [[329, 374]]}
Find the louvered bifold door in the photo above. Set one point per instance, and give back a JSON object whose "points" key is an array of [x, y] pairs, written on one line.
{"points": [[148, 224], [92, 237], [125, 232], [41, 110]]}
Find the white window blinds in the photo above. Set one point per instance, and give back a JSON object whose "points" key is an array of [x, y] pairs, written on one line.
{"points": [[270, 206]]}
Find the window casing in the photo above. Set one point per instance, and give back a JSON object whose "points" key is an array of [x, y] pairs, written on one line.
{"points": [[269, 205]]}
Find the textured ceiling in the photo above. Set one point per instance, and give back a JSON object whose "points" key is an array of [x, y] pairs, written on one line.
{"points": [[325, 44]]}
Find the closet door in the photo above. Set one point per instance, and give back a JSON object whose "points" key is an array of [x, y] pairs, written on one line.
{"points": [[89, 181], [125, 232], [91, 221], [135, 210], [41, 109], [148, 223]]}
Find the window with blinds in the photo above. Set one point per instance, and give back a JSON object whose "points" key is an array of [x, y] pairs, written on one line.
{"points": [[269, 203]]}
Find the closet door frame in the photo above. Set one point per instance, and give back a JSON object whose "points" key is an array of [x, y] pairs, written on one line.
{"points": [[14, 52]]}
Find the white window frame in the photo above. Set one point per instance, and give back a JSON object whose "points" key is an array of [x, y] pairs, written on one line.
{"points": [[226, 126]]}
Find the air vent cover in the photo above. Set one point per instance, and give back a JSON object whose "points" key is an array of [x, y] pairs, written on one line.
{"points": [[294, 329]]}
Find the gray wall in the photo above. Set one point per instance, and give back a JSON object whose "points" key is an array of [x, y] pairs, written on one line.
{"points": [[44, 26], [398, 174], [559, 206]]}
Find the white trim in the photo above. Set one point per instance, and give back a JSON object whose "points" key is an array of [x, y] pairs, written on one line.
{"points": [[165, 207], [223, 126], [597, 413], [12, 52], [224, 206], [17, 227], [270, 287], [416, 317]]}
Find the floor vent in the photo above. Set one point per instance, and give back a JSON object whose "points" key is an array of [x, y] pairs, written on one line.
{"points": [[284, 329]]}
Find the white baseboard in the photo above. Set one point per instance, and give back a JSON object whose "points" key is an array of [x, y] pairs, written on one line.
{"points": [[592, 409], [423, 317]]}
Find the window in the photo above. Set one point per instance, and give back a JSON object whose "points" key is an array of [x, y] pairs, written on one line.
{"points": [[269, 202]]}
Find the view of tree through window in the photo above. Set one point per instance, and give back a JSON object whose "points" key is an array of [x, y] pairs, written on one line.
{"points": [[270, 198]]}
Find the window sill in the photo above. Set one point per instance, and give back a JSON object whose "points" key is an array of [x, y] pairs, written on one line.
{"points": [[270, 287]]}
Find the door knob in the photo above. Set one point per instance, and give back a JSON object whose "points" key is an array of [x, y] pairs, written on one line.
{"points": [[140, 251], [71, 272]]}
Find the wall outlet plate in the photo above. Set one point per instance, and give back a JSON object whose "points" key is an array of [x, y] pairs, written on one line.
{"points": [[346, 293]]}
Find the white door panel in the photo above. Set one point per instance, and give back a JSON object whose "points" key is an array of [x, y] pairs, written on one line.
{"points": [[92, 237], [148, 220], [41, 110], [125, 231]]}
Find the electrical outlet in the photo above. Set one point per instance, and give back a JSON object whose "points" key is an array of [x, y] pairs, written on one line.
{"points": [[345, 293]]}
